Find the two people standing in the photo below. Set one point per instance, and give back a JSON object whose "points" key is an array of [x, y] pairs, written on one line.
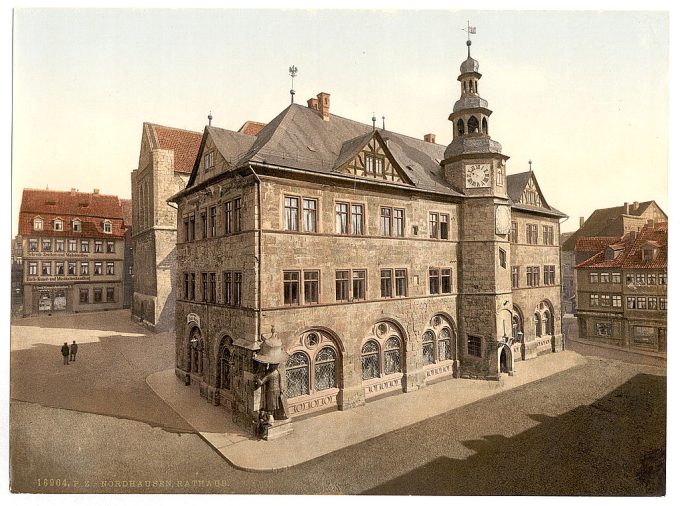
{"points": [[69, 352]]}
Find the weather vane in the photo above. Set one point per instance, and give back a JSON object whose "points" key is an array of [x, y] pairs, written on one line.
{"points": [[292, 70], [470, 30]]}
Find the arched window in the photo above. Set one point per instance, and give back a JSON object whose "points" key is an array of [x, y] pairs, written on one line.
{"points": [[297, 374], [37, 224], [476, 86], [58, 224], [461, 127], [225, 368], [428, 347], [516, 325], [473, 125], [107, 227], [76, 225], [470, 87], [537, 322], [392, 355], [325, 369], [370, 360], [548, 323], [444, 344], [485, 126]]}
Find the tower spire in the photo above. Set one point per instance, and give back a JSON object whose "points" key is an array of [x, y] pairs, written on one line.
{"points": [[292, 71], [469, 30]]}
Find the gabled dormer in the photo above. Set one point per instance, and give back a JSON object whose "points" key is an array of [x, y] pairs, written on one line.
{"points": [[612, 251], [368, 156], [38, 223], [58, 224], [76, 225], [649, 250]]}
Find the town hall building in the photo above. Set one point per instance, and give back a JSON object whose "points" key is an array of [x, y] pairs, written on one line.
{"points": [[382, 262]]}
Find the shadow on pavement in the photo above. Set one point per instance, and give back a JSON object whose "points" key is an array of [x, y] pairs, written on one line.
{"points": [[107, 378], [613, 447]]}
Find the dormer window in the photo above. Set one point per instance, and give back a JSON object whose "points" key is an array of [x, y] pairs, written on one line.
{"points": [[208, 161], [648, 253], [58, 225], [107, 227], [76, 226], [37, 223]]}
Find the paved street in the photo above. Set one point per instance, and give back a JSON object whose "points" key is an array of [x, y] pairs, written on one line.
{"points": [[595, 429]]}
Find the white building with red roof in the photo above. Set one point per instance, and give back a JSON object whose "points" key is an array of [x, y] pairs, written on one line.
{"points": [[622, 289], [73, 248]]}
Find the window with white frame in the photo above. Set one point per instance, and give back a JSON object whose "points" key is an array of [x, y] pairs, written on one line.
{"points": [[58, 225], [77, 225], [107, 227], [37, 223]]}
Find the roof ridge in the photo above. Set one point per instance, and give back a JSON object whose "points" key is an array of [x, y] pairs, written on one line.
{"points": [[77, 192], [173, 128]]}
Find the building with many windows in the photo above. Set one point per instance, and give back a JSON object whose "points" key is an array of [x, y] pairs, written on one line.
{"points": [[73, 251], [622, 290], [381, 261], [166, 158], [607, 224]]}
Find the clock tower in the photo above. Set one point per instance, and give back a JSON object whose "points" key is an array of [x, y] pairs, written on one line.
{"points": [[475, 166]]}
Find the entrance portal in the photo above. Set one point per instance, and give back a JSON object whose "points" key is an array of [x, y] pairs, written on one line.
{"points": [[504, 361]]}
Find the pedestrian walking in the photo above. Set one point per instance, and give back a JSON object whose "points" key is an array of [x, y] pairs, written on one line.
{"points": [[74, 350], [65, 352]]}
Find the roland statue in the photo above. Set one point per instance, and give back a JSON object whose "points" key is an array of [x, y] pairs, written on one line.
{"points": [[274, 403]]}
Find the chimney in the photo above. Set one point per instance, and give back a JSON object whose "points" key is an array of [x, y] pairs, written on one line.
{"points": [[429, 138], [581, 221], [96, 191], [73, 191], [626, 208], [313, 103], [324, 105], [636, 204]]}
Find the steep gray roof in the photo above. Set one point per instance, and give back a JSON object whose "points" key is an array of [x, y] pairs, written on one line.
{"points": [[299, 138], [517, 183]]}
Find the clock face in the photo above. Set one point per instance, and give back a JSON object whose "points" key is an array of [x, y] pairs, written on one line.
{"points": [[478, 175], [503, 220]]}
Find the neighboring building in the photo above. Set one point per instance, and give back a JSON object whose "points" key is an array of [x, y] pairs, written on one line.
{"points": [[17, 297], [568, 276], [165, 161], [73, 249], [382, 262], [128, 262], [622, 290], [608, 224]]}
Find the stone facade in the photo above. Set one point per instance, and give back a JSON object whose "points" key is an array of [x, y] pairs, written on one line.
{"points": [[154, 233], [372, 287]]}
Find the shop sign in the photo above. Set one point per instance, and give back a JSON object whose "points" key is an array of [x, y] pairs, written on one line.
{"points": [[57, 278]]}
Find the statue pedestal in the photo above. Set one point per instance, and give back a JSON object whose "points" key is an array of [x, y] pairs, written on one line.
{"points": [[279, 428]]}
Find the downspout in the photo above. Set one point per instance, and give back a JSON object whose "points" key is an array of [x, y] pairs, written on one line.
{"points": [[562, 311], [258, 305]]}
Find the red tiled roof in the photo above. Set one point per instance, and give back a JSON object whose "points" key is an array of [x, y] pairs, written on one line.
{"points": [[251, 128], [90, 208], [184, 143], [631, 256], [594, 243]]}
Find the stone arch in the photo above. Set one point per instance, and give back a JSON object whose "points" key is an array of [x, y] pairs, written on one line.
{"points": [[506, 359], [391, 339], [314, 370], [460, 127], [194, 349], [224, 362], [517, 323], [485, 126], [438, 323], [473, 125]]}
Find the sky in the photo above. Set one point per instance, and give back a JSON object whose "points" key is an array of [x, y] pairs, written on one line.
{"points": [[584, 95]]}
